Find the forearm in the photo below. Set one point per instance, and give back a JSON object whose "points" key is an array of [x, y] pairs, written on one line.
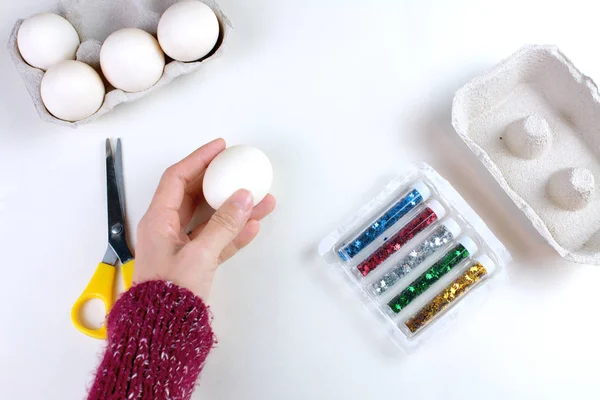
{"points": [[158, 338]]}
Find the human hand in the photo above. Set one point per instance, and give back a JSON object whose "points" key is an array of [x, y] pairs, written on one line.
{"points": [[166, 251]]}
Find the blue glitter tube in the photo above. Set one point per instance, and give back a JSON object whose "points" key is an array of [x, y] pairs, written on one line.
{"points": [[416, 194]]}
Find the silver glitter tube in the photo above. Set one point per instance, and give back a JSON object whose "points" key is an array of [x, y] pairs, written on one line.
{"points": [[444, 234]]}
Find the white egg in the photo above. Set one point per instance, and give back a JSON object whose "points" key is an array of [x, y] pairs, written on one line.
{"points": [[132, 60], [46, 39], [188, 30], [235, 168], [72, 90]]}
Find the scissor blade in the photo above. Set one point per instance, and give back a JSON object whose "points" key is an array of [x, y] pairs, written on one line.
{"points": [[116, 218], [115, 211], [119, 176], [110, 257]]}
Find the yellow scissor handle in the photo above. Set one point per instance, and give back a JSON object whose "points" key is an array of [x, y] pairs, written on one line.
{"points": [[100, 287], [127, 274]]}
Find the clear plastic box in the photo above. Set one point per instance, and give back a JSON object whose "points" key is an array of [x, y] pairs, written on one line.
{"points": [[416, 253]]}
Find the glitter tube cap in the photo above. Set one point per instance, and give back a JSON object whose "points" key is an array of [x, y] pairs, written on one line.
{"points": [[422, 188], [487, 263], [437, 208], [468, 244], [452, 227]]}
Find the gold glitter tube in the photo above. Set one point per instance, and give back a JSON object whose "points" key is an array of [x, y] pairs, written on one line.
{"points": [[451, 293]]}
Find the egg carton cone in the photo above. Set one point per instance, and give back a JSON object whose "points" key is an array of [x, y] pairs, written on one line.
{"points": [[534, 122], [94, 21]]}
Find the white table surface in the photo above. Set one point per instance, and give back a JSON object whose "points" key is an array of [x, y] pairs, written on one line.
{"points": [[339, 94]]}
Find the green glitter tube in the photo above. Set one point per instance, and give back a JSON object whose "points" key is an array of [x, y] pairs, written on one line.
{"points": [[461, 251]]}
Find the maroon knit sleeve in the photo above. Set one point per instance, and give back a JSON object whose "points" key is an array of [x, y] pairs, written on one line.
{"points": [[159, 335]]}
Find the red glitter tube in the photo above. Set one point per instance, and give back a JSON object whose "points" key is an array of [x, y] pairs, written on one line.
{"points": [[432, 212]]}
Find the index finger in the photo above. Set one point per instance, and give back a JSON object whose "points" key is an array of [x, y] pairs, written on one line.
{"points": [[185, 176]]}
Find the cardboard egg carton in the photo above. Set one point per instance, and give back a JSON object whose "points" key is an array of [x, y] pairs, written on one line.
{"points": [[94, 21], [534, 122]]}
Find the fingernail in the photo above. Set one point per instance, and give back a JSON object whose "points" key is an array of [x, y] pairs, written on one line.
{"points": [[242, 200]]}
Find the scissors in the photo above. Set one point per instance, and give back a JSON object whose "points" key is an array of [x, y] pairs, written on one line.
{"points": [[101, 285]]}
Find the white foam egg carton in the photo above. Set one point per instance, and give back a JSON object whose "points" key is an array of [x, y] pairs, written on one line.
{"points": [[94, 21], [534, 122]]}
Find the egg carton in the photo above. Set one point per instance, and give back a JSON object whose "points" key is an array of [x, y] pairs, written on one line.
{"points": [[94, 21], [534, 122]]}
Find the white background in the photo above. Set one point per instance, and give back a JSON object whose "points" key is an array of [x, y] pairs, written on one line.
{"points": [[339, 94]]}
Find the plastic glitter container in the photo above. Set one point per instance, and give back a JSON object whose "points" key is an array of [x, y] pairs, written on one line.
{"points": [[416, 254]]}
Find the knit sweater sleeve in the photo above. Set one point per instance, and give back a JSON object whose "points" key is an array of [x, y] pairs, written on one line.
{"points": [[159, 335]]}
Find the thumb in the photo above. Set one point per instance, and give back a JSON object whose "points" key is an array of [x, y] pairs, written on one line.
{"points": [[226, 223]]}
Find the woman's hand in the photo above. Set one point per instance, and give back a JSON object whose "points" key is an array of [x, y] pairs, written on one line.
{"points": [[164, 248]]}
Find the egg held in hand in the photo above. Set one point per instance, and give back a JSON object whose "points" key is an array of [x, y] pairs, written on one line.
{"points": [[188, 30], [72, 90], [46, 39], [132, 60], [235, 168]]}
